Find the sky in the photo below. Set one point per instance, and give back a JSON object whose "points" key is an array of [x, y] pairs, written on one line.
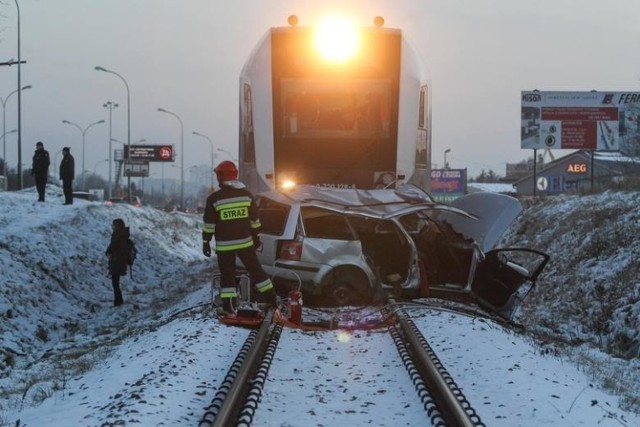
{"points": [[186, 57], [159, 358]]}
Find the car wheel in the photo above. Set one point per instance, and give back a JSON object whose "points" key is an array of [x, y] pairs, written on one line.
{"points": [[346, 286]]}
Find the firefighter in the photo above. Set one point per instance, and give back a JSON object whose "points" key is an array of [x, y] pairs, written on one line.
{"points": [[232, 216]]}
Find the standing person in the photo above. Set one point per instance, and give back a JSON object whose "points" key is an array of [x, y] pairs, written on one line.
{"points": [[117, 251], [40, 169], [232, 216], [67, 173]]}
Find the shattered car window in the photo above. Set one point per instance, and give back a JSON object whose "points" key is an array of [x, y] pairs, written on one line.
{"points": [[273, 216], [325, 224]]}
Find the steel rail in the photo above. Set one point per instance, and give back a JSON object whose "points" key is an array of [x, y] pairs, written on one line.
{"points": [[225, 415], [448, 402]]}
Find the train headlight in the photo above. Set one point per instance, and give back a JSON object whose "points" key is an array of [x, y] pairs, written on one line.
{"points": [[337, 39], [287, 183]]}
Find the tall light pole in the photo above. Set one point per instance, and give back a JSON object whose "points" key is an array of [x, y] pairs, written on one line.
{"points": [[446, 165], [95, 167], [126, 159], [20, 178], [110, 105], [162, 110], [4, 129], [4, 158], [83, 132], [228, 153], [212, 160]]}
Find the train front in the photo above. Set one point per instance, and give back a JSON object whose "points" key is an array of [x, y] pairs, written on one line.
{"points": [[336, 106]]}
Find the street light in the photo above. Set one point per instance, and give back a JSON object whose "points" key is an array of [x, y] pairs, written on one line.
{"points": [[95, 167], [446, 165], [124, 143], [83, 132], [228, 153], [98, 68], [210, 142], [110, 105], [4, 159], [20, 178], [162, 110], [4, 129]]}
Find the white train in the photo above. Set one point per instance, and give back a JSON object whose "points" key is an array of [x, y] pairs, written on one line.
{"points": [[355, 114]]}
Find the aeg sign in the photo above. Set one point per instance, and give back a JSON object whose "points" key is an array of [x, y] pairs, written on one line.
{"points": [[577, 168], [150, 153]]}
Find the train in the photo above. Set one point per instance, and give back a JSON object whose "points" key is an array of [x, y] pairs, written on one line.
{"points": [[334, 105]]}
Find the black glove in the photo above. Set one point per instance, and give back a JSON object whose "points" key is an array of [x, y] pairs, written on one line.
{"points": [[206, 249], [256, 241]]}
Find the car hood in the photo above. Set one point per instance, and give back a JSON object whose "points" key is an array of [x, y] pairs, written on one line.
{"points": [[494, 213]]}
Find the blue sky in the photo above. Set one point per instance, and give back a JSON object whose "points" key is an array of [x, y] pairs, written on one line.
{"points": [[185, 57]]}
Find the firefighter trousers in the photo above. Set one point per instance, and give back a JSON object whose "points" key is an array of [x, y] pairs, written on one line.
{"points": [[259, 278]]}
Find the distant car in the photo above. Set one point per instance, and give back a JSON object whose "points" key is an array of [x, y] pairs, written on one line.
{"points": [[344, 247], [135, 201], [85, 196]]}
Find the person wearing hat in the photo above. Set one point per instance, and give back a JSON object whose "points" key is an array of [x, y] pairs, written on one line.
{"points": [[40, 169], [67, 169]]}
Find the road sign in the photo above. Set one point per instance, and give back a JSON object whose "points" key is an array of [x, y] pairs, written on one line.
{"points": [[150, 153], [136, 168]]}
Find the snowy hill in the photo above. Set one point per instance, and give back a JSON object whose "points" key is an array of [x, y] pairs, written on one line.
{"points": [[67, 354]]}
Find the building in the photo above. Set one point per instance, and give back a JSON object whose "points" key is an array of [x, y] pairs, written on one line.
{"points": [[580, 172]]}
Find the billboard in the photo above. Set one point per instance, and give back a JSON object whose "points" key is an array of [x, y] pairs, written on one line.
{"points": [[448, 184], [606, 121], [136, 168], [150, 153]]}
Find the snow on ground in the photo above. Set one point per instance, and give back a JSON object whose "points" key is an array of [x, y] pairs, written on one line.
{"points": [[68, 358]]}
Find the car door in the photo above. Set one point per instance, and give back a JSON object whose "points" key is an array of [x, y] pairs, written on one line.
{"points": [[503, 277], [493, 214]]}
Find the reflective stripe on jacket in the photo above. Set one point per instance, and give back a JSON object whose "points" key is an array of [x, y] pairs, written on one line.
{"points": [[232, 216]]}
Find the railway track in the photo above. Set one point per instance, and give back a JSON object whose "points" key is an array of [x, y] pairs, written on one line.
{"points": [[242, 390]]}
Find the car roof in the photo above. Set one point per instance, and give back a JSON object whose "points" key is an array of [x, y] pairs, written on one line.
{"points": [[382, 203]]}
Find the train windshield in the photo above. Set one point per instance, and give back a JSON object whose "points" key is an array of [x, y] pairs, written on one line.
{"points": [[327, 108]]}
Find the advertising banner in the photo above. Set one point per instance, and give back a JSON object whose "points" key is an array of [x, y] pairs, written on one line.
{"points": [[150, 153], [606, 121], [448, 184]]}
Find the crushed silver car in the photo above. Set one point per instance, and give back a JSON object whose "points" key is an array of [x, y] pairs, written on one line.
{"points": [[349, 247]]}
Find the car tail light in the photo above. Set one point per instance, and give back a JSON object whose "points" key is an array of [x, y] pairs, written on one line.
{"points": [[291, 250]]}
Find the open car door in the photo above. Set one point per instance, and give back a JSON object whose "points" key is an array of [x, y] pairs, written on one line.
{"points": [[504, 277]]}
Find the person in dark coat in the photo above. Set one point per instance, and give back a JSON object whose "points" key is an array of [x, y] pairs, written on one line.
{"points": [[67, 173], [40, 169], [232, 216], [117, 251]]}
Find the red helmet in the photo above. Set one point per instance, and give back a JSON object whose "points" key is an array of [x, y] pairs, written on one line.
{"points": [[226, 171]]}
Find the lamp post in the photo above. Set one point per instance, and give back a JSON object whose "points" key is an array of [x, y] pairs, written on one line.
{"points": [[126, 160], [162, 110], [228, 153], [446, 165], [110, 105], [95, 167], [20, 178], [4, 129], [83, 132], [212, 160], [4, 158]]}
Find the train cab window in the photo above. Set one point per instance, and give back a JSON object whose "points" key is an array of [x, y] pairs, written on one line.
{"points": [[330, 109]]}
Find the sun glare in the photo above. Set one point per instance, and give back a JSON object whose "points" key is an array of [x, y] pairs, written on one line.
{"points": [[343, 336], [337, 39]]}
